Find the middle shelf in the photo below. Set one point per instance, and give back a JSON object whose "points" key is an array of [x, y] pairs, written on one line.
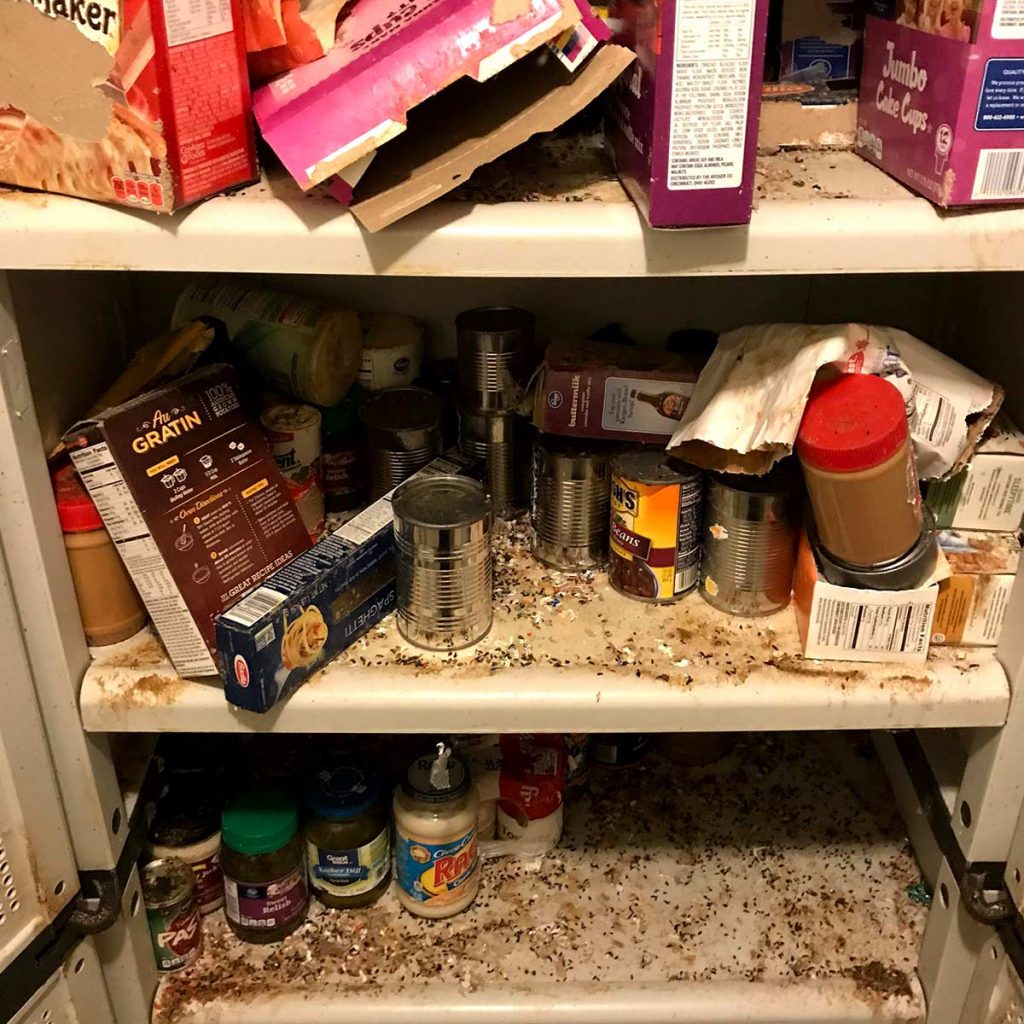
{"points": [[771, 884], [568, 654]]}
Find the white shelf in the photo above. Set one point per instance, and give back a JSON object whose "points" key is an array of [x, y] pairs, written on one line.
{"points": [[816, 213], [770, 886], [568, 654]]}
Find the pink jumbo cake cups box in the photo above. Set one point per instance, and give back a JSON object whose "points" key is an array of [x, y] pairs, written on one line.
{"points": [[683, 120], [942, 99]]}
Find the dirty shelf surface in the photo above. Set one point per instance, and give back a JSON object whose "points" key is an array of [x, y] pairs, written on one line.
{"points": [[566, 653], [773, 881]]}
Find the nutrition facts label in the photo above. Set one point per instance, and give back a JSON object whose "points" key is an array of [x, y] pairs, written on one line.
{"points": [[710, 93]]}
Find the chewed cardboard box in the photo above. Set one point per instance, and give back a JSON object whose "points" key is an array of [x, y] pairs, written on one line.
{"points": [[136, 102], [942, 98], [390, 56]]}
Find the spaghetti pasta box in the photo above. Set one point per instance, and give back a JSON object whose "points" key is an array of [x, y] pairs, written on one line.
{"points": [[143, 103], [849, 624], [972, 603], [390, 56], [988, 494], [194, 501], [683, 124], [618, 392], [307, 613], [942, 98]]}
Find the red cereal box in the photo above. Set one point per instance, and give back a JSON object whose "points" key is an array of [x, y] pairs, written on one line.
{"points": [[144, 103]]}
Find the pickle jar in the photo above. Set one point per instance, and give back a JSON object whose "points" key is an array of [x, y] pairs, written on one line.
{"points": [[264, 866], [348, 836]]}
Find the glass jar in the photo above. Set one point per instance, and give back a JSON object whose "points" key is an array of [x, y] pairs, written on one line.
{"points": [[262, 857], [436, 810], [348, 836]]}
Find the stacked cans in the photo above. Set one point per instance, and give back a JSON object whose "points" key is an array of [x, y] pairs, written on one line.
{"points": [[496, 358]]}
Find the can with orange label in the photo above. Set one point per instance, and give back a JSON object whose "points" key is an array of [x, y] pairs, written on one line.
{"points": [[656, 508]]}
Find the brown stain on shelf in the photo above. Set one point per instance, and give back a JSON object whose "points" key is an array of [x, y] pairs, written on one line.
{"points": [[146, 691]]}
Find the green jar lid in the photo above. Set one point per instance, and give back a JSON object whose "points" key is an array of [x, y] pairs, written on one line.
{"points": [[262, 820], [343, 418]]}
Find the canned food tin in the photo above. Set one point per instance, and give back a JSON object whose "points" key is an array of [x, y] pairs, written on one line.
{"points": [[293, 433], [443, 561], [496, 356], [175, 926], [403, 431], [750, 534], [654, 541], [569, 503], [495, 438], [618, 749]]}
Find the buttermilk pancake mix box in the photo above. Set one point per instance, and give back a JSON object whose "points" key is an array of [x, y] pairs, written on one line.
{"points": [[144, 103], [942, 98]]}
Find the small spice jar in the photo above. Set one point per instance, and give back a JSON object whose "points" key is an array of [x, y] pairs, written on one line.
{"points": [[348, 836], [264, 865], [858, 463], [436, 810], [107, 602], [186, 826]]}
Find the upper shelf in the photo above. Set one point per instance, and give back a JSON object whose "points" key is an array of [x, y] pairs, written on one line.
{"points": [[568, 654], [555, 217]]}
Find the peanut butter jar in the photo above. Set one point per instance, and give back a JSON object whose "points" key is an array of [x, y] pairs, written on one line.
{"points": [[858, 464]]}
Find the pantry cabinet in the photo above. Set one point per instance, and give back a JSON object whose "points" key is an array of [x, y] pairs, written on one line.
{"points": [[778, 886]]}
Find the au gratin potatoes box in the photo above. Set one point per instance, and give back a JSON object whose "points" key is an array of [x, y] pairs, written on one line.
{"points": [[307, 613]]}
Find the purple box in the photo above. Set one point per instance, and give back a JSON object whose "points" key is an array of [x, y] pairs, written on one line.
{"points": [[942, 99], [683, 125]]}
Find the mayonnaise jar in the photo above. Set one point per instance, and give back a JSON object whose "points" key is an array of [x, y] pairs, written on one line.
{"points": [[435, 811]]}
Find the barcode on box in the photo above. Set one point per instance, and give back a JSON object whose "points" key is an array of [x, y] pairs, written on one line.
{"points": [[934, 416], [255, 606], [1000, 174], [892, 628]]}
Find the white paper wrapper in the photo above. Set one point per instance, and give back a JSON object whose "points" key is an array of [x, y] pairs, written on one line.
{"points": [[748, 403]]}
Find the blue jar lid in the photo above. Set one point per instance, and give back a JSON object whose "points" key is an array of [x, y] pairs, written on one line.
{"points": [[342, 792]]}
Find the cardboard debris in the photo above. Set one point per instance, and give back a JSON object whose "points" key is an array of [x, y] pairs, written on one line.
{"points": [[471, 124], [389, 57]]}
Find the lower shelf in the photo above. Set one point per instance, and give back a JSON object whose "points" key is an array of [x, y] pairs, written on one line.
{"points": [[771, 886]]}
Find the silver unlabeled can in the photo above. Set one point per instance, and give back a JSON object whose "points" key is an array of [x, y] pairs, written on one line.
{"points": [[443, 569], [495, 439], [294, 435], [403, 434], [751, 526], [569, 503], [496, 352]]}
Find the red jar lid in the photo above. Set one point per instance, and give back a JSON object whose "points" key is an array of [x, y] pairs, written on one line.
{"points": [[852, 422], [75, 510]]}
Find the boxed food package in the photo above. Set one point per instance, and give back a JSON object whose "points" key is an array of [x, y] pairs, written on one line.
{"points": [[823, 37], [683, 125], [989, 493], [618, 392], [306, 614], [848, 624], [194, 501], [971, 607], [390, 56], [941, 99], [140, 103]]}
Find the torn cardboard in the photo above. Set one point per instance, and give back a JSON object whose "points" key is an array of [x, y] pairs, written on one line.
{"points": [[390, 56], [746, 409], [471, 124]]}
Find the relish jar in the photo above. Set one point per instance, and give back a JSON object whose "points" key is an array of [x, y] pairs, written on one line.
{"points": [[348, 836], [265, 894]]}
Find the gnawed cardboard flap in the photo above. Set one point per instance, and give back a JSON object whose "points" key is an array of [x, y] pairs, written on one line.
{"points": [[389, 57], [471, 124], [748, 403]]}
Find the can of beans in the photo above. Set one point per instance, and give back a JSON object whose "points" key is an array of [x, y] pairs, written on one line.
{"points": [[175, 926], [654, 541], [293, 433]]}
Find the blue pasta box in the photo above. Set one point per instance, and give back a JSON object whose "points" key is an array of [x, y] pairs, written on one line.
{"points": [[306, 614]]}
